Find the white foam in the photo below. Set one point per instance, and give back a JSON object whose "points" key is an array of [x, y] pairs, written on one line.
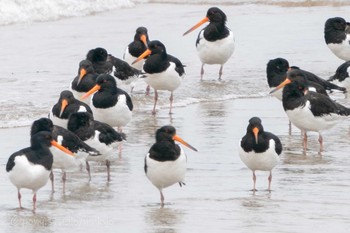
{"points": [[26, 11]]}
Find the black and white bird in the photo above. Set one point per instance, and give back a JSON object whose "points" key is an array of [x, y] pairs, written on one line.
{"points": [[30, 167], [162, 71], [337, 37], [259, 150], [109, 103], [215, 43], [67, 139], [65, 106], [84, 81], [138, 46], [105, 63], [276, 72], [165, 162], [308, 110], [98, 135], [342, 76]]}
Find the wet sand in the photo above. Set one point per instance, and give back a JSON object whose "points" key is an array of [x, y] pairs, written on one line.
{"points": [[309, 190]]}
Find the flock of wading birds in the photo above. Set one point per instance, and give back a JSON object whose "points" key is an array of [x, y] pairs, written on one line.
{"points": [[81, 125]]}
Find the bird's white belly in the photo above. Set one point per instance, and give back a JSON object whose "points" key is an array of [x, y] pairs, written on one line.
{"points": [[65, 162], [265, 161], [305, 120], [165, 174], [106, 151], [28, 175], [116, 116], [217, 52], [342, 50], [168, 80]]}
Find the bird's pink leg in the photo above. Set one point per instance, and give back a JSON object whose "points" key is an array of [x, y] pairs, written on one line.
{"points": [[64, 182], [108, 164], [171, 103], [202, 71], [52, 182], [155, 101], [270, 179], [320, 140], [161, 199], [19, 199], [88, 170], [34, 201], [305, 141], [220, 71], [254, 182]]}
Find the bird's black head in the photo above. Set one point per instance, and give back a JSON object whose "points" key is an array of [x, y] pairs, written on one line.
{"points": [[141, 31], [298, 83], [97, 55], [165, 133], [78, 120], [156, 47], [336, 23], [216, 15], [255, 122], [42, 124], [40, 139], [86, 65], [279, 65], [255, 127], [105, 81], [66, 95]]}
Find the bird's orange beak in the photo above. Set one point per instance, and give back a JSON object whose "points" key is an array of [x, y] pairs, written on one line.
{"points": [[142, 56], [144, 40], [282, 84], [177, 138], [206, 19], [62, 148], [255, 132], [92, 90], [82, 74], [64, 104]]}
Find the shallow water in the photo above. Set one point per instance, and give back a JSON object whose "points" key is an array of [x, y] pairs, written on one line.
{"points": [[309, 190]]}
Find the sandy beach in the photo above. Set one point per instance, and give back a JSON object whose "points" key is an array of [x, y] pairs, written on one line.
{"points": [[308, 189]]}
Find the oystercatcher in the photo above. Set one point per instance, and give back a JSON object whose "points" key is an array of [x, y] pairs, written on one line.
{"points": [[215, 43], [165, 163], [342, 76], [337, 37], [134, 50], [109, 103], [30, 167], [98, 135], [276, 72], [259, 150], [105, 63], [162, 71], [68, 140], [84, 81], [308, 110], [65, 106]]}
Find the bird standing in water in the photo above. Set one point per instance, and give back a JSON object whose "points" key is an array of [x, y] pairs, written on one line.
{"points": [[259, 150], [308, 110], [165, 163], [109, 103], [30, 167], [162, 71], [215, 43]]}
